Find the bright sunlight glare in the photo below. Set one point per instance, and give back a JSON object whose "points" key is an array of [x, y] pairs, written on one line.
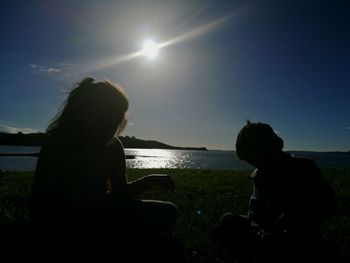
{"points": [[150, 49]]}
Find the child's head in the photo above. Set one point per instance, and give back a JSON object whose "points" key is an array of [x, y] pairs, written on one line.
{"points": [[258, 144], [93, 113]]}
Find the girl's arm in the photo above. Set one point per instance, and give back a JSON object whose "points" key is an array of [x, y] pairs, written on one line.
{"points": [[117, 174], [147, 182], [116, 167]]}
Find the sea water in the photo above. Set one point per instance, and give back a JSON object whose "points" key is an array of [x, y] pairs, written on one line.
{"points": [[161, 158]]}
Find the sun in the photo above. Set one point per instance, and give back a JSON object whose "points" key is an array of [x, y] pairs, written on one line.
{"points": [[150, 49]]}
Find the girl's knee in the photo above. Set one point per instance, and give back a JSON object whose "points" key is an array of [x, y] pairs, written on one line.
{"points": [[170, 213], [228, 217], [160, 212]]}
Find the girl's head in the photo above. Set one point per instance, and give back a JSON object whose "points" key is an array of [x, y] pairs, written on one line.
{"points": [[92, 114], [258, 144]]}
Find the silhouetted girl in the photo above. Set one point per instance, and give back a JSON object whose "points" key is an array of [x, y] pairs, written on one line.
{"points": [[80, 188]]}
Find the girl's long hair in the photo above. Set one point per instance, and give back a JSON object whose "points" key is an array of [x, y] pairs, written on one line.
{"points": [[92, 114]]}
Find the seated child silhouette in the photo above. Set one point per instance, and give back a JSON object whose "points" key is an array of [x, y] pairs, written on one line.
{"points": [[290, 199]]}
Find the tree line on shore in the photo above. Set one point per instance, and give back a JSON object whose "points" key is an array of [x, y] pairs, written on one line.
{"points": [[38, 139]]}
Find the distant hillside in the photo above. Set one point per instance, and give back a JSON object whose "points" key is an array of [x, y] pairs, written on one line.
{"points": [[132, 142], [21, 139], [38, 139]]}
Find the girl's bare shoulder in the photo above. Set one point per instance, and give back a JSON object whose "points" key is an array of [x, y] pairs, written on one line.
{"points": [[115, 147]]}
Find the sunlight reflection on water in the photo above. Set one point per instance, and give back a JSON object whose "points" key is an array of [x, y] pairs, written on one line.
{"points": [[150, 158], [159, 158], [153, 158]]}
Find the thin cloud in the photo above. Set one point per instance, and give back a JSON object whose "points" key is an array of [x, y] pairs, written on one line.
{"points": [[348, 128], [45, 69], [9, 129]]}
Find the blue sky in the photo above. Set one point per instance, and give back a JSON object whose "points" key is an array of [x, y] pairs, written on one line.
{"points": [[286, 63]]}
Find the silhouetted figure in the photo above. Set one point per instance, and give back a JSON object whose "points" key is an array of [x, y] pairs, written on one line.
{"points": [[80, 191], [290, 199]]}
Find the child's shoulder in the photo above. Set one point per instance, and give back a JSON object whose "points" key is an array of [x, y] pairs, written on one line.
{"points": [[303, 163]]}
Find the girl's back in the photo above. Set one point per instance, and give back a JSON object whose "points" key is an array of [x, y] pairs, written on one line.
{"points": [[67, 182]]}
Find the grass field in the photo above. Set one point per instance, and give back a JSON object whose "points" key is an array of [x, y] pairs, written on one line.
{"points": [[202, 196]]}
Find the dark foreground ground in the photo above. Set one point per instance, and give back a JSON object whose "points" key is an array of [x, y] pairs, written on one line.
{"points": [[202, 196]]}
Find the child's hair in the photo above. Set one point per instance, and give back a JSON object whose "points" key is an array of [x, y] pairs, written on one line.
{"points": [[256, 137], [92, 114]]}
